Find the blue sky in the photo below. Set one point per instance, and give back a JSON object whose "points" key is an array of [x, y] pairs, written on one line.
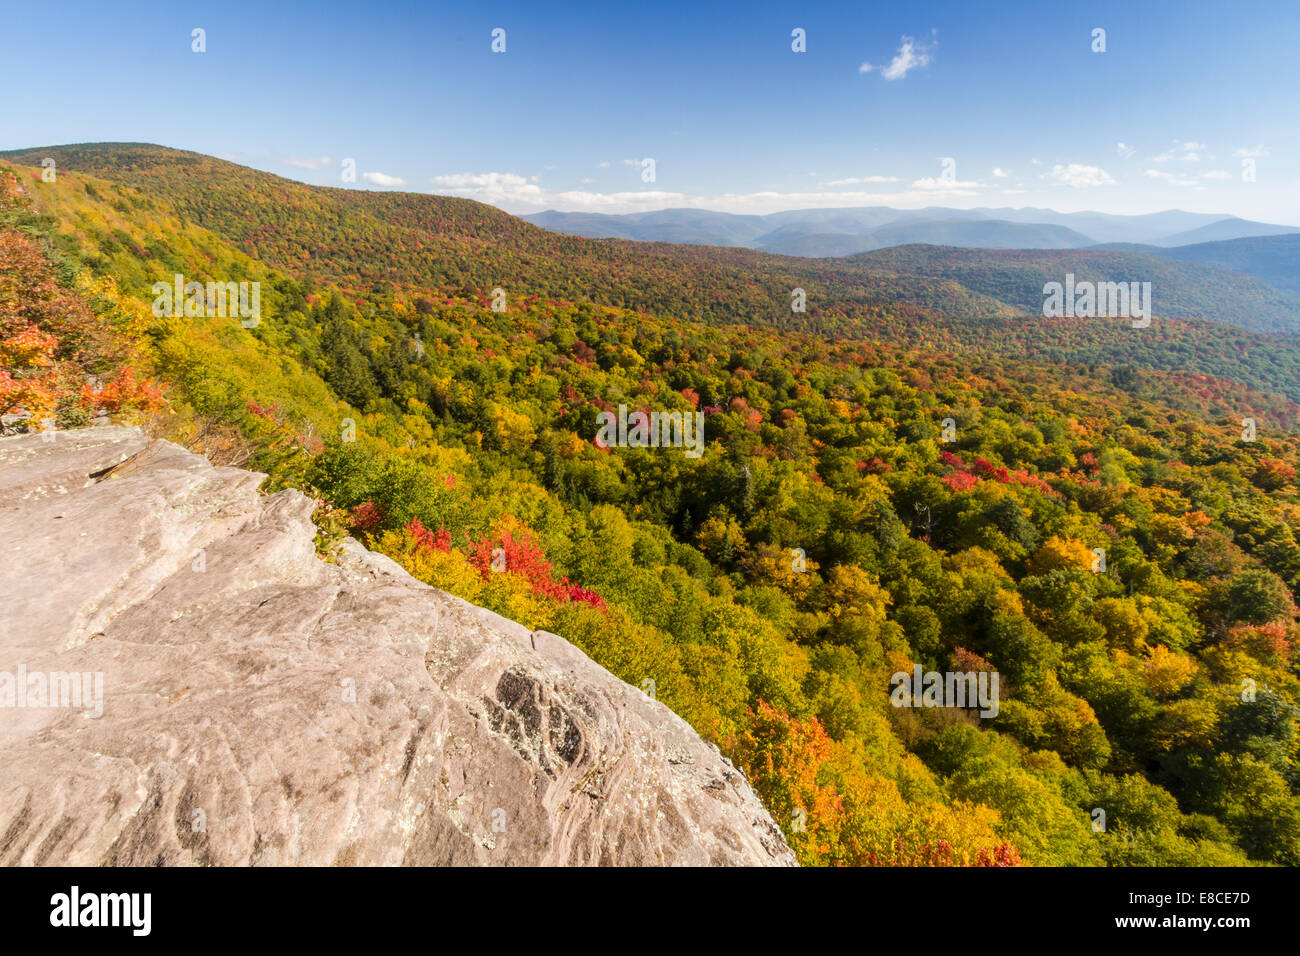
{"points": [[735, 120]]}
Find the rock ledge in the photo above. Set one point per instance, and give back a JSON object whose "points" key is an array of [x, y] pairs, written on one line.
{"points": [[260, 706]]}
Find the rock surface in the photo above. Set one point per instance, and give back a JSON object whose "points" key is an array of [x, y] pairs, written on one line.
{"points": [[262, 706]]}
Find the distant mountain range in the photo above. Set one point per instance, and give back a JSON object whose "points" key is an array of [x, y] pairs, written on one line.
{"points": [[844, 232]]}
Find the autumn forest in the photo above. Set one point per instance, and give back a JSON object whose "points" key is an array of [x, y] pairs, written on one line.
{"points": [[916, 471]]}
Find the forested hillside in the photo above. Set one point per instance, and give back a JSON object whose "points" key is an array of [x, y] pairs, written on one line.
{"points": [[911, 473], [1179, 290], [403, 243], [1271, 259]]}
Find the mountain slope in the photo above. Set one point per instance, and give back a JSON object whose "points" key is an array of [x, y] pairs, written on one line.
{"points": [[1271, 259], [974, 234], [1226, 229], [377, 240], [1192, 290], [696, 226], [406, 244]]}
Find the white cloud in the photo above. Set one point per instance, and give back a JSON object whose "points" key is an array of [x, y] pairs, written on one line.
{"points": [[515, 193], [649, 200], [383, 179], [1169, 178], [941, 184], [1078, 176], [510, 189], [604, 165], [1181, 151], [586, 182], [1000, 173], [1251, 153], [1216, 174], [309, 163], [910, 56], [480, 180], [859, 180], [1124, 150]]}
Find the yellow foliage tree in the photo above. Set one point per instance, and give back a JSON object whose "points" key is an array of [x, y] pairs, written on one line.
{"points": [[851, 590], [1061, 554], [1167, 672]]}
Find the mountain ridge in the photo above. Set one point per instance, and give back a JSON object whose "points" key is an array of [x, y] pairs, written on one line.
{"points": [[405, 242], [881, 226], [1273, 259]]}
